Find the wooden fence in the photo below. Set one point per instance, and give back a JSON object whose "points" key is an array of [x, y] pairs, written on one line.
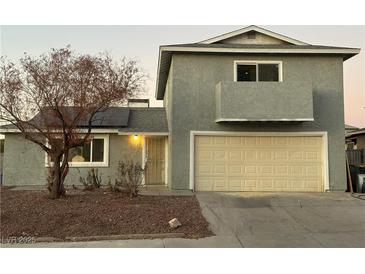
{"points": [[356, 157]]}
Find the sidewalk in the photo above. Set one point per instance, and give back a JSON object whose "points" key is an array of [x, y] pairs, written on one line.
{"points": [[215, 241]]}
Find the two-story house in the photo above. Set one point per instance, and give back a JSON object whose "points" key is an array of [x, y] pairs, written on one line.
{"points": [[253, 110], [250, 110]]}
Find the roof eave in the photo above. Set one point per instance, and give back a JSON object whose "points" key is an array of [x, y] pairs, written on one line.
{"points": [[344, 51], [161, 78], [355, 133], [82, 130]]}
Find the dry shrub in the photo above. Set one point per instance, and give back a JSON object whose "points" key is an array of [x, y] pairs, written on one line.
{"points": [[92, 181], [129, 177]]}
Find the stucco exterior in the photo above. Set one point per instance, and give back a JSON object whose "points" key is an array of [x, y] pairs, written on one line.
{"points": [[193, 105], [239, 101], [24, 162]]}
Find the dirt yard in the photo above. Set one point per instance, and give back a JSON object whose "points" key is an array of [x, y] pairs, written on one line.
{"points": [[97, 213]]}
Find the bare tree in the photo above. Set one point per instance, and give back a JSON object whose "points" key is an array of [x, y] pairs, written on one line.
{"points": [[66, 91]]}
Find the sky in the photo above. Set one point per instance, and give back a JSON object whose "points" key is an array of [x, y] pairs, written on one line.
{"points": [[142, 43]]}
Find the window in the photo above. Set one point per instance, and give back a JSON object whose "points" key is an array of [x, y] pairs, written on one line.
{"points": [[246, 73], [268, 72], [93, 153], [351, 144], [258, 71]]}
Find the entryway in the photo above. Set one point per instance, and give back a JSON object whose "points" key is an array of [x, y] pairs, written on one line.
{"points": [[155, 148]]}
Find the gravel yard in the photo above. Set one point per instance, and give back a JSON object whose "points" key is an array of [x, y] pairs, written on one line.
{"points": [[99, 212]]}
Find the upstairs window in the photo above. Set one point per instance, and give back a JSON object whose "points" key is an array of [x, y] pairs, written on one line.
{"points": [[258, 71], [246, 73]]}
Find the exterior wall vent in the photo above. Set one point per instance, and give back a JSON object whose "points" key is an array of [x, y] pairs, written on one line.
{"points": [[251, 35]]}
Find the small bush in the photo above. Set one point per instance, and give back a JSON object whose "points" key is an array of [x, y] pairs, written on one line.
{"points": [[129, 177], [113, 187], [92, 181]]}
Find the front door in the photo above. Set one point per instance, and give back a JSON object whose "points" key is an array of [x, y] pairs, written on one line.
{"points": [[155, 160]]}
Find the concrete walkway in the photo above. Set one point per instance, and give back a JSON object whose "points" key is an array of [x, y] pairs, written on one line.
{"points": [[265, 220]]}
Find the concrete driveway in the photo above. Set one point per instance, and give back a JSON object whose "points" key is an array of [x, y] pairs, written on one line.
{"points": [[286, 219]]}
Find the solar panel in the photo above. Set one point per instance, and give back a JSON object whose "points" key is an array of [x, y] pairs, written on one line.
{"points": [[111, 117]]}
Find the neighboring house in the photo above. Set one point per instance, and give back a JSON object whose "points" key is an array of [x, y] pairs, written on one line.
{"points": [[349, 129], [250, 110], [356, 139], [355, 147]]}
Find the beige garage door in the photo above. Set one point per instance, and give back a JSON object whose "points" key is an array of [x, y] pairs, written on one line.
{"points": [[258, 163]]}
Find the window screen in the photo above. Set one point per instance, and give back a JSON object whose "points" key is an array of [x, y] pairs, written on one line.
{"points": [[246, 73], [98, 150], [268, 72], [80, 153]]}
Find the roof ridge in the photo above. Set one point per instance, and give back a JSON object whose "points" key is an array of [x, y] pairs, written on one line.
{"points": [[258, 29]]}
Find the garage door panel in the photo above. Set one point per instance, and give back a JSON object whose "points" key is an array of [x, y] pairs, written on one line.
{"points": [[219, 140], [235, 170], [220, 155], [203, 155], [281, 170], [312, 155], [281, 155], [265, 155], [202, 170], [250, 155], [234, 141], [265, 163], [235, 156]]}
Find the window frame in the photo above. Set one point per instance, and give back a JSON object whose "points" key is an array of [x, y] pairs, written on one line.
{"points": [[256, 63], [104, 163]]}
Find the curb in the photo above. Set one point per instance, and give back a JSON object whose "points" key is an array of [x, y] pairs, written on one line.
{"points": [[109, 237]]}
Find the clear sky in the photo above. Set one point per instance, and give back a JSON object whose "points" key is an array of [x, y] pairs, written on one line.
{"points": [[142, 42]]}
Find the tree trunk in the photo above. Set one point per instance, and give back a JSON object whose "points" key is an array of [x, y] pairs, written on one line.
{"points": [[57, 178]]}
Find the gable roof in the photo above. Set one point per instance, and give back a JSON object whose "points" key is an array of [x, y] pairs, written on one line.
{"points": [[249, 29], [292, 46]]}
